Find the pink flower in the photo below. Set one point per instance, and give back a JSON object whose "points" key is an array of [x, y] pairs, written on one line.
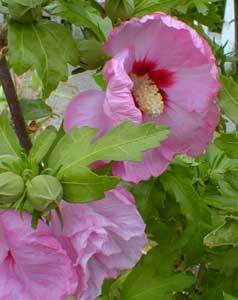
{"points": [[33, 265], [161, 70], [101, 238]]}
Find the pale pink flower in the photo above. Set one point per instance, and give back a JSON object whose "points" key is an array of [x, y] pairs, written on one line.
{"points": [[33, 265], [161, 70], [101, 238]]}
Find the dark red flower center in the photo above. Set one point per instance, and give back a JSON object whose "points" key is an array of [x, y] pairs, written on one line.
{"points": [[148, 86]]}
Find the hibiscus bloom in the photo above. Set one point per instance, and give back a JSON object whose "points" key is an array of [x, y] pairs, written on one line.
{"points": [[33, 265], [101, 238], [161, 70]]}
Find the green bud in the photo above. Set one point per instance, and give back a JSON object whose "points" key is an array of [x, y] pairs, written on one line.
{"points": [[44, 192], [91, 54], [11, 187], [22, 13], [120, 9]]}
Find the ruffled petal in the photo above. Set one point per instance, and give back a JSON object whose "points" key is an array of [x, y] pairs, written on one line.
{"points": [[119, 103], [86, 109], [102, 238], [35, 262], [174, 46]]}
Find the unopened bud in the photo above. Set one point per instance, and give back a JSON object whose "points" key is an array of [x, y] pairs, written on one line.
{"points": [[120, 9], [44, 192], [11, 187]]}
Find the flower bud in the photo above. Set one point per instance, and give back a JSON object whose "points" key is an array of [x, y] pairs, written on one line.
{"points": [[91, 54], [11, 187], [120, 9], [22, 13], [44, 192]]}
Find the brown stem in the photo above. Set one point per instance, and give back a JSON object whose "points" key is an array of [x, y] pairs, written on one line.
{"points": [[12, 99], [236, 31]]}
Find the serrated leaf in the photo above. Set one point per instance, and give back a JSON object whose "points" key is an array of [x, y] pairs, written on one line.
{"points": [[146, 281], [35, 109], [9, 143], [192, 207], [224, 235], [83, 185], [124, 142], [45, 46], [76, 150], [43, 144], [229, 144], [228, 98]]}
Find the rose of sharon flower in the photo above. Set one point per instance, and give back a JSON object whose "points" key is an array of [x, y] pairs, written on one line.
{"points": [[101, 238], [161, 70], [33, 265]]}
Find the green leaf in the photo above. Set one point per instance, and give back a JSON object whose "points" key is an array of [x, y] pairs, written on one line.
{"points": [[227, 198], [229, 144], [179, 184], [9, 143], [35, 109], [100, 80], [78, 13], [224, 235], [83, 185], [30, 3], [75, 151], [148, 195], [224, 260], [228, 98], [124, 142], [43, 144], [45, 46], [147, 281], [229, 297], [214, 284]]}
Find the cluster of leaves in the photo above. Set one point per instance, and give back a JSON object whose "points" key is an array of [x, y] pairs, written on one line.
{"points": [[58, 164], [191, 211]]}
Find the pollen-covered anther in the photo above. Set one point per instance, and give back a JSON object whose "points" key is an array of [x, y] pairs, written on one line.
{"points": [[147, 95]]}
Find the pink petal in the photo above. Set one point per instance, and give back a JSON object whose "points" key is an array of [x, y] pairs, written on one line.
{"points": [[35, 262], [102, 238], [119, 103], [86, 109], [176, 47], [190, 134]]}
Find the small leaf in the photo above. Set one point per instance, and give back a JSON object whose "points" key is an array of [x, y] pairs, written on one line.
{"points": [[35, 109], [43, 144], [9, 143]]}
